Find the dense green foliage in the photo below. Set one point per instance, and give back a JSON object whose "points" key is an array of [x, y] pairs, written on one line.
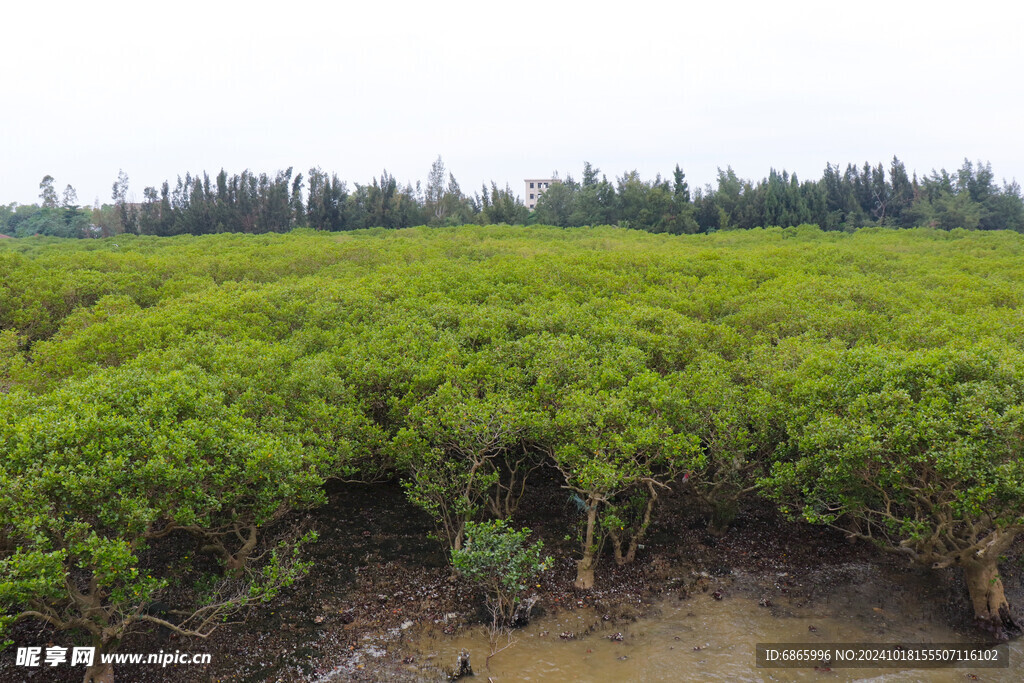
{"points": [[98, 470], [866, 380], [920, 451], [500, 560]]}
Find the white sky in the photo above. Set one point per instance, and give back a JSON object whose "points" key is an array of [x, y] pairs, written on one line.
{"points": [[502, 91]]}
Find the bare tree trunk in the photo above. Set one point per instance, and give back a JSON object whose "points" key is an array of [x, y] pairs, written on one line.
{"points": [[719, 521], [634, 538], [585, 572], [988, 598], [629, 555], [620, 557], [235, 564], [457, 541], [504, 501], [585, 568], [99, 673]]}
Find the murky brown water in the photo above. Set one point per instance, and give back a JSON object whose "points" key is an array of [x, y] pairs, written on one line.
{"points": [[703, 639]]}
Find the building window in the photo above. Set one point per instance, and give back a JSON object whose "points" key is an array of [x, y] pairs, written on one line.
{"points": [[531, 196], [531, 187]]}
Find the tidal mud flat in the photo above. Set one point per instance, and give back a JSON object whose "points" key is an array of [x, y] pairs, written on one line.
{"points": [[712, 636], [382, 605]]}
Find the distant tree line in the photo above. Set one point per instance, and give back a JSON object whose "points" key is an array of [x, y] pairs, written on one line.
{"points": [[842, 199], [839, 200], [59, 216], [261, 203]]}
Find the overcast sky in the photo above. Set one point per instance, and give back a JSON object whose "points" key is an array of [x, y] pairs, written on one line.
{"points": [[502, 91]]}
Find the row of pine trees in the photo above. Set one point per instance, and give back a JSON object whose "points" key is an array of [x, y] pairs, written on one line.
{"points": [[842, 199]]}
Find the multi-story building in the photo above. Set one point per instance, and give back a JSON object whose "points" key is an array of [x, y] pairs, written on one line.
{"points": [[535, 187]]}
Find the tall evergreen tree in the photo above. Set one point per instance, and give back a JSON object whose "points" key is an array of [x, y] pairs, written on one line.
{"points": [[47, 193], [680, 189]]}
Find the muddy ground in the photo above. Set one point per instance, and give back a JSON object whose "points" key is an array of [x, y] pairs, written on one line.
{"points": [[378, 578]]}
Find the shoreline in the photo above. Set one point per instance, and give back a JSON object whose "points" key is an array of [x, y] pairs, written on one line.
{"points": [[377, 579]]}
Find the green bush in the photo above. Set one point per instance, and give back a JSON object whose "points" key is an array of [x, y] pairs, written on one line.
{"points": [[498, 558]]}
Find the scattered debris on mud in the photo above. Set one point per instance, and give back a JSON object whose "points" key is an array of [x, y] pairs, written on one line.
{"points": [[378, 578]]}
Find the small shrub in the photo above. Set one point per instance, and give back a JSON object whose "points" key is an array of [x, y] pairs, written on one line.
{"points": [[498, 558]]}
